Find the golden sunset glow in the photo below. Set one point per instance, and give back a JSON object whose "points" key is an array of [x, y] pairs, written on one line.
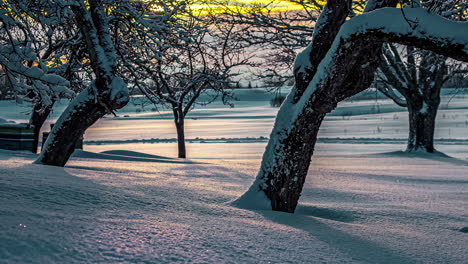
{"points": [[243, 6]]}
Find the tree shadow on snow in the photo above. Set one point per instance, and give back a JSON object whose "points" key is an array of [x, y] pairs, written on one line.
{"points": [[359, 249], [129, 153], [436, 156], [123, 155], [10, 154], [326, 213]]}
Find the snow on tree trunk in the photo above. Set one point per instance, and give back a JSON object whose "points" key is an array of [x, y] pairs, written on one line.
{"points": [[106, 94], [419, 80], [38, 117], [328, 24], [423, 103], [347, 69], [82, 113]]}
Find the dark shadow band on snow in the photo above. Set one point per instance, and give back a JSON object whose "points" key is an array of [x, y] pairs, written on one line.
{"points": [[174, 140], [198, 117], [9, 154], [406, 179], [129, 153], [360, 250], [128, 156], [262, 139], [436, 156], [325, 213], [354, 140]]}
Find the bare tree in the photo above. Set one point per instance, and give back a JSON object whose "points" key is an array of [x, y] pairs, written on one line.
{"points": [[413, 78], [280, 35], [195, 56], [346, 67]]}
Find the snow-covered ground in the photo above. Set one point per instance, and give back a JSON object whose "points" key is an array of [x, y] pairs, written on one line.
{"points": [[364, 200], [253, 117]]}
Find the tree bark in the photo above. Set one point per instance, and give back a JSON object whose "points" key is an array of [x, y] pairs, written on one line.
{"points": [[38, 117], [179, 121], [423, 102], [422, 115], [293, 159], [82, 113], [288, 155], [327, 27]]}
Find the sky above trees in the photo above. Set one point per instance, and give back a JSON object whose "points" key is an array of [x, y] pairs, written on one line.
{"points": [[220, 6]]}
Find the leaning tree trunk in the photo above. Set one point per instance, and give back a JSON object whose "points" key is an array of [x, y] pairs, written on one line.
{"points": [[82, 113], [105, 94], [347, 69], [179, 121], [38, 117], [422, 115], [289, 151]]}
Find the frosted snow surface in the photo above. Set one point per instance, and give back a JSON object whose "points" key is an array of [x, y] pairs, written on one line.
{"points": [[364, 201], [135, 204]]}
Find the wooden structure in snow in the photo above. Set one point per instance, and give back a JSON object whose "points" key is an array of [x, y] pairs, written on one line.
{"points": [[16, 137]]}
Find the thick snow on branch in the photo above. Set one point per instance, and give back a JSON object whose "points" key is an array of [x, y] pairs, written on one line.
{"points": [[119, 91], [411, 26], [25, 47], [48, 85]]}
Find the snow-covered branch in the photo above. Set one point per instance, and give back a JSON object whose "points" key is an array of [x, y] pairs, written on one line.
{"points": [[426, 31]]}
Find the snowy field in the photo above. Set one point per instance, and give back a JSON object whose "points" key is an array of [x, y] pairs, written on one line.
{"points": [[252, 117], [122, 201]]}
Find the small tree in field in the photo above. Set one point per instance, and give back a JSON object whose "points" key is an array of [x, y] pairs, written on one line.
{"points": [[104, 26], [196, 57], [413, 78]]}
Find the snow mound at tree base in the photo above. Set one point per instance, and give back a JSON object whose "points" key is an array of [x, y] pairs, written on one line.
{"points": [[4, 121]]}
